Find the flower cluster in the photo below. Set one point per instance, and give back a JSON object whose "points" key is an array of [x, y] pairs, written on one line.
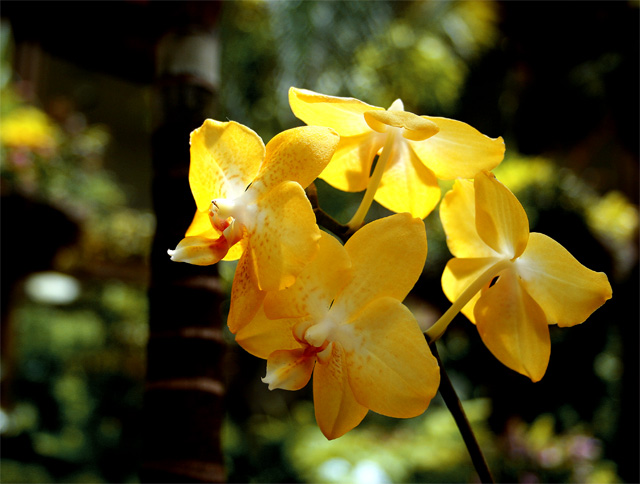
{"points": [[314, 307]]}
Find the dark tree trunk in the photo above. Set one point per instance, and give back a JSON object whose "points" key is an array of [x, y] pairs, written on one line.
{"points": [[183, 402]]}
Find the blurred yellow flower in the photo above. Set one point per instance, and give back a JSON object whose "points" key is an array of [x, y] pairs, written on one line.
{"points": [[251, 201], [416, 150], [28, 127], [343, 321], [524, 281]]}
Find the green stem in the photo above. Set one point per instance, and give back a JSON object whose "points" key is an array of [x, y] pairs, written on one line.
{"points": [[440, 326], [454, 405], [356, 222]]}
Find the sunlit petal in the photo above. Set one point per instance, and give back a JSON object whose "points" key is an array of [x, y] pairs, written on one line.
{"points": [[297, 154], [246, 297], [391, 368], [500, 219], [350, 166], [225, 158], [199, 250], [337, 410], [407, 185], [567, 291], [514, 327], [458, 274], [262, 336], [285, 236], [458, 150], [289, 369], [414, 127], [343, 114], [387, 257], [316, 286], [458, 217]]}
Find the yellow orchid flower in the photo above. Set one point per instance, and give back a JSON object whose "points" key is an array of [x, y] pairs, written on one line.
{"points": [[251, 202], [511, 283], [414, 151], [343, 322]]}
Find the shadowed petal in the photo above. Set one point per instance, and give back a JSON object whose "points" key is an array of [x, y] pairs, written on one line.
{"points": [[514, 327], [391, 368], [458, 150], [289, 369], [458, 274], [567, 291], [500, 219], [414, 127], [458, 217], [351, 164], [262, 336], [225, 158], [345, 115], [337, 410], [316, 286]]}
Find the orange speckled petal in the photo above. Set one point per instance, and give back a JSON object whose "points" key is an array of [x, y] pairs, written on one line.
{"points": [[514, 327], [458, 150], [246, 297], [225, 158], [297, 154], [285, 236], [390, 366], [337, 410], [316, 286], [501, 221], [343, 114], [567, 291]]}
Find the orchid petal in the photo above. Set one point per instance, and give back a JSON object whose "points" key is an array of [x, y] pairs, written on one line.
{"points": [[199, 250], [458, 150], [407, 185], [289, 369], [414, 127], [316, 286], [500, 219], [567, 291], [225, 158], [246, 297], [297, 154], [350, 166], [387, 257], [514, 327], [201, 225], [343, 114], [337, 411], [285, 236], [458, 217], [262, 336], [458, 274], [390, 366]]}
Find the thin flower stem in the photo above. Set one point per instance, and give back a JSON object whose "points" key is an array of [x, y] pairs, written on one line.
{"points": [[440, 326], [357, 220], [454, 405]]}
